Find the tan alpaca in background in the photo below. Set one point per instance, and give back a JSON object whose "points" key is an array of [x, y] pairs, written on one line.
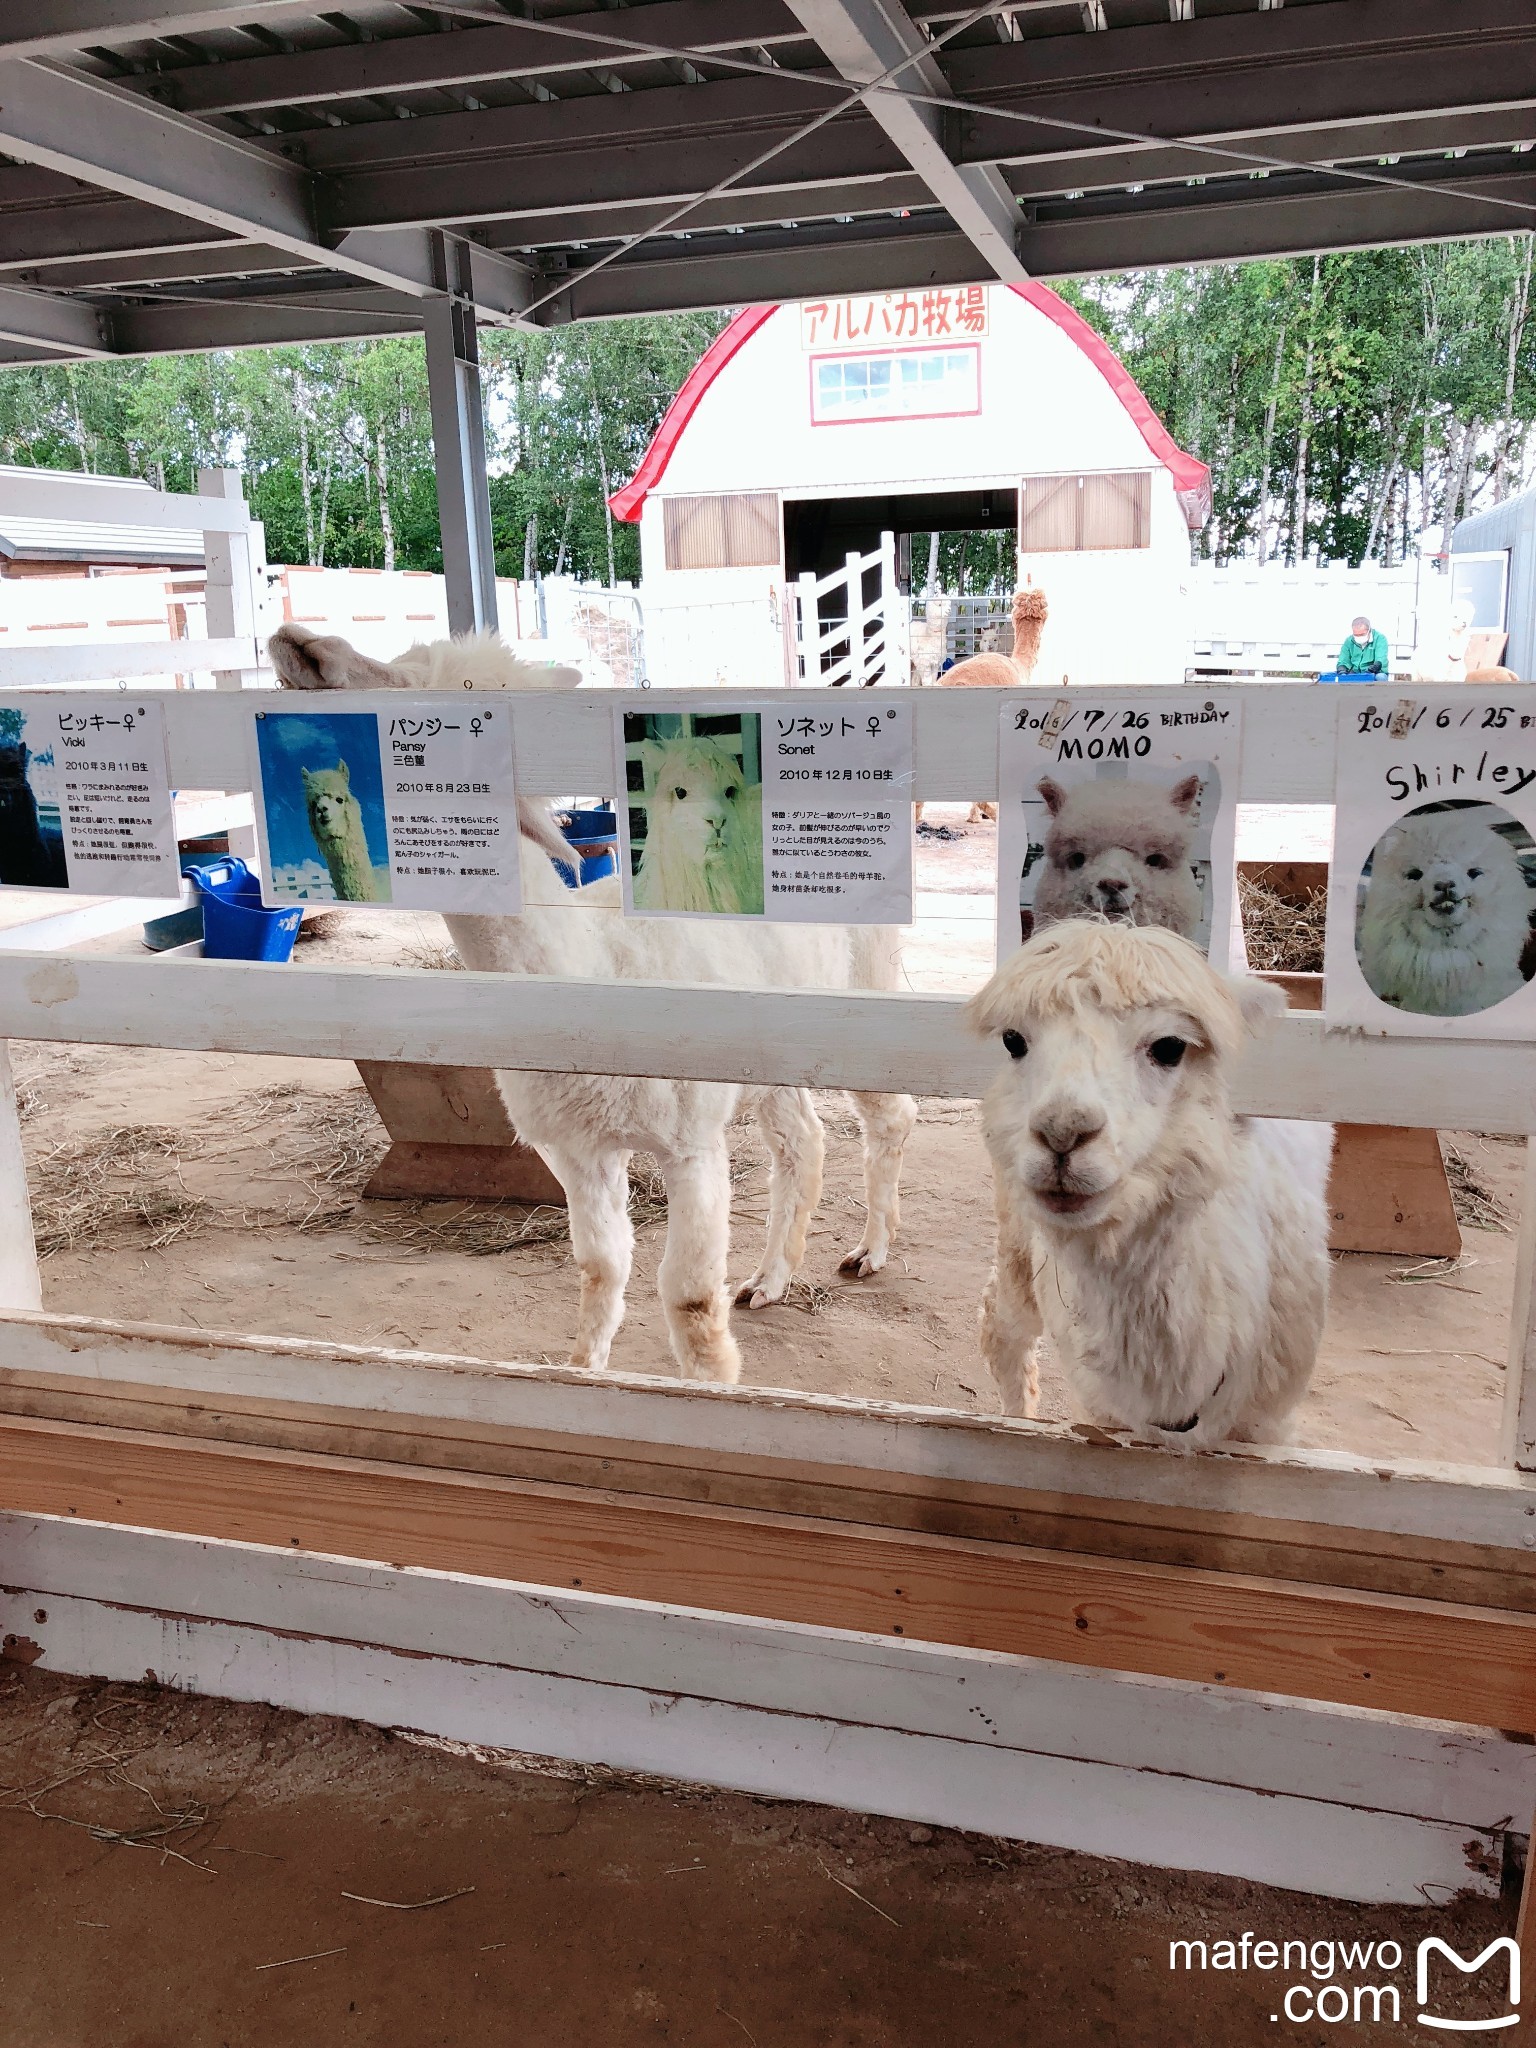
{"points": [[1002, 671]]}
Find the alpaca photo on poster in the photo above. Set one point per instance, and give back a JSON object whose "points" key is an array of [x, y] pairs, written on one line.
{"points": [[695, 802], [31, 827], [1444, 909], [1127, 848], [322, 800]]}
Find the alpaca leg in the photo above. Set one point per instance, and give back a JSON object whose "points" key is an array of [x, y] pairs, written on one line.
{"points": [[1010, 1332], [797, 1147], [982, 813], [888, 1122], [602, 1241], [692, 1279], [918, 819]]}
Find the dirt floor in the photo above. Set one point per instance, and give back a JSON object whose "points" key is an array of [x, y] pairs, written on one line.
{"points": [[223, 1192], [183, 1873]]}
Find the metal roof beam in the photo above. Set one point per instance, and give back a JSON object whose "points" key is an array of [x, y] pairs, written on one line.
{"points": [[35, 319], [866, 40], [58, 26], [471, 56], [85, 129]]}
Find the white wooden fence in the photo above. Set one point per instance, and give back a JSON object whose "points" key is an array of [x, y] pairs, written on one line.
{"points": [[838, 637], [798, 1594]]}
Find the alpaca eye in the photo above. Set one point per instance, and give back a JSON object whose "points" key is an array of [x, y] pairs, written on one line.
{"points": [[1016, 1043], [1157, 860], [1413, 874], [680, 793], [1166, 1052], [1077, 860], [732, 793], [1473, 874]]}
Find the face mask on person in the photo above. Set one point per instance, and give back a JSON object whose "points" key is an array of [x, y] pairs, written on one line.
{"points": [[1363, 639]]}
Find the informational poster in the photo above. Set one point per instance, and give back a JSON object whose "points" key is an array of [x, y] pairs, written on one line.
{"points": [[800, 816], [85, 797], [412, 807], [1432, 893], [1118, 807]]}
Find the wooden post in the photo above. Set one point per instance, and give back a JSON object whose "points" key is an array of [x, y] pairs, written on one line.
{"points": [[809, 620], [20, 1284], [1519, 1439], [855, 597], [236, 561]]}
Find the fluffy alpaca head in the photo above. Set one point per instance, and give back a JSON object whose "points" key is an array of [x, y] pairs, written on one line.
{"points": [[703, 832], [1120, 850], [307, 660], [1030, 612], [15, 792], [1113, 1101], [1446, 904], [335, 815]]}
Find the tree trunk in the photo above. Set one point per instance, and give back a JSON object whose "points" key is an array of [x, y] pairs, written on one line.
{"points": [[931, 581], [565, 536], [1269, 446], [1304, 438], [602, 479], [1381, 509], [307, 485], [531, 547], [381, 477], [325, 503], [1509, 427]]}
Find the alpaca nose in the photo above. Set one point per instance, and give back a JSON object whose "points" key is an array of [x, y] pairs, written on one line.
{"points": [[1109, 886], [1066, 1129]]}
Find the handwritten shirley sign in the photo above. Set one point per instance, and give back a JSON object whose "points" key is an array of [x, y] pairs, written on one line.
{"points": [[1113, 807], [1432, 894]]}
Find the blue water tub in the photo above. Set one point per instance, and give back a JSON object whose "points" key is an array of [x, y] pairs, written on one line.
{"points": [[237, 925], [594, 837]]}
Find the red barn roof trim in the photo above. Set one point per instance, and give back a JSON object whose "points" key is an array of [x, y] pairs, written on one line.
{"points": [[1191, 476]]}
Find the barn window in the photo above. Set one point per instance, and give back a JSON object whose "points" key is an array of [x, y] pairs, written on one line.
{"points": [[728, 530], [1108, 509], [906, 384]]}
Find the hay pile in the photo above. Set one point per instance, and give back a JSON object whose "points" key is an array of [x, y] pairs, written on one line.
{"points": [[1477, 1206], [99, 1191], [1282, 937]]}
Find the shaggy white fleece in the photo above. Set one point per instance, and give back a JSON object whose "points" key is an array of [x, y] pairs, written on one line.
{"points": [[587, 1125], [1120, 850], [1174, 1255], [1446, 915], [704, 832]]}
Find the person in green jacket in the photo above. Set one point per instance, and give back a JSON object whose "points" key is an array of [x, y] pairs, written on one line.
{"points": [[1364, 653]]}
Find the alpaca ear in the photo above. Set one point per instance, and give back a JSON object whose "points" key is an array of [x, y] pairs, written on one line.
{"points": [[650, 763], [1055, 796], [341, 770], [309, 777], [1261, 1003], [1185, 795]]}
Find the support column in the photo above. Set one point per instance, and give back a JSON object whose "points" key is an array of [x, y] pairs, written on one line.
{"points": [[458, 442], [236, 581], [20, 1285]]}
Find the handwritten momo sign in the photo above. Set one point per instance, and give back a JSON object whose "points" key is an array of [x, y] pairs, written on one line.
{"points": [[1432, 895], [948, 313], [1116, 808]]}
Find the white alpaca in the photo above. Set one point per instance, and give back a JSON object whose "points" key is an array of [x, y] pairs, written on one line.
{"points": [[336, 826], [586, 1126], [1174, 1255], [704, 830], [1445, 918], [1120, 850]]}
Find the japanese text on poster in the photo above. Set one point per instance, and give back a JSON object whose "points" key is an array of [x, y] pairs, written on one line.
{"points": [[1432, 890], [1119, 807], [412, 806], [804, 817], [85, 797]]}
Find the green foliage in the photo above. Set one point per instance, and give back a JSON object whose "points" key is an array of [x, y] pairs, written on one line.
{"points": [[335, 441], [1348, 406]]}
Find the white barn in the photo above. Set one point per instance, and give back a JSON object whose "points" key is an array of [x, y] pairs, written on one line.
{"points": [[807, 432]]}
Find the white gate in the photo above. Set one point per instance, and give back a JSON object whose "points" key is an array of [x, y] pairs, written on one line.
{"points": [[836, 638]]}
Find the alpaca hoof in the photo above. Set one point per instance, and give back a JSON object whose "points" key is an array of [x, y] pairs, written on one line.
{"points": [[762, 1291], [861, 1264]]}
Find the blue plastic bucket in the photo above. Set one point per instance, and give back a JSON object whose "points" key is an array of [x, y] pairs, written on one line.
{"points": [[594, 837], [236, 923]]}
